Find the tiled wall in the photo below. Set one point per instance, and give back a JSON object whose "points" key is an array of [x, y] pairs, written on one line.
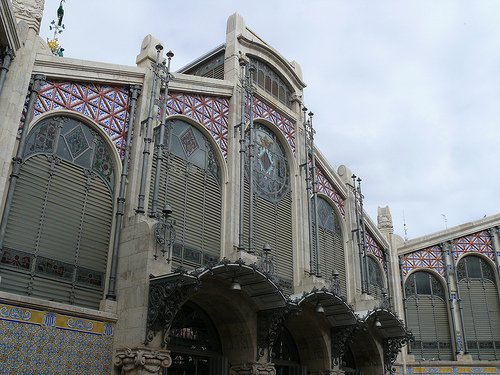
{"points": [[454, 370], [43, 342]]}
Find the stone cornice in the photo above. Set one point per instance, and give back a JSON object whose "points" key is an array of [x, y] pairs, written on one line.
{"points": [[449, 234], [201, 85], [64, 68]]}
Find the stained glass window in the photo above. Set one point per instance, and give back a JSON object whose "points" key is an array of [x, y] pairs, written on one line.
{"points": [[269, 80], [271, 172]]}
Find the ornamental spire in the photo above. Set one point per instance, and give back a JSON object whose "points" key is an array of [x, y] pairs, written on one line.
{"points": [[58, 28]]}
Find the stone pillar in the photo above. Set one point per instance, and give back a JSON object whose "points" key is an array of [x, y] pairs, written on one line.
{"points": [[253, 368], [142, 361]]}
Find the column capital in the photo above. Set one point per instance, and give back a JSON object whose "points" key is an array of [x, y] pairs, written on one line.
{"points": [[142, 361]]}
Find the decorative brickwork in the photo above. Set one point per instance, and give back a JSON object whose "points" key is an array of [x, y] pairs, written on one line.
{"points": [[210, 111], [374, 248], [106, 105], [479, 242], [327, 188], [430, 258]]}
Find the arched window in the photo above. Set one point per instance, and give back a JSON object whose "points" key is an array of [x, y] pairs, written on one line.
{"points": [[272, 202], [285, 354], [58, 230], [270, 81], [190, 183], [480, 307], [194, 343], [375, 277], [331, 243], [427, 317]]}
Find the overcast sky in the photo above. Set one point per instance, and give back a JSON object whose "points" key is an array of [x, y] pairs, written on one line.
{"points": [[405, 93]]}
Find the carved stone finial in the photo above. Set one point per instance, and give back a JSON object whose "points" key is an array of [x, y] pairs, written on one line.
{"points": [[30, 11], [142, 361], [384, 218]]}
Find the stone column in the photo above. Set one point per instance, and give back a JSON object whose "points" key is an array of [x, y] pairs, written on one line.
{"points": [[142, 361], [253, 368]]}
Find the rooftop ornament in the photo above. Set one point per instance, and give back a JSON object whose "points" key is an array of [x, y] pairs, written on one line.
{"points": [[58, 28]]}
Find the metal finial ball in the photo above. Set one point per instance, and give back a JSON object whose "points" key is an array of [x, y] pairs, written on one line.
{"points": [[159, 47], [304, 109], [167, 209], [252, 68], [311, 114], [170, 54], [242, 61]]}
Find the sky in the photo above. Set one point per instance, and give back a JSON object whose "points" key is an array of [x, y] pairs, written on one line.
{"points": [[406, 94]]}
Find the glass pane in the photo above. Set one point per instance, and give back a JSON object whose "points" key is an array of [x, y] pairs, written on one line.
{"points": [[422, 280]]}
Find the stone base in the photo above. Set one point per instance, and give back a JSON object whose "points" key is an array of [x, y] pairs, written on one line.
{"points": [[253, 368], [142, 361]]}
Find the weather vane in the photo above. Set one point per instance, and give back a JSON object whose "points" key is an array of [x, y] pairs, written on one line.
{"points": [[58, 28]]}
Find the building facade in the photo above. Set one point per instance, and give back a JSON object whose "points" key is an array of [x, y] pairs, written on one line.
{"points": [[158, 222]]}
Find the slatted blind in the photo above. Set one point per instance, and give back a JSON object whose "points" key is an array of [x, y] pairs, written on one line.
{"points": [[60, 225], [273, 224], [480, 309], [332, 256], [427, 317], [196, 199]]}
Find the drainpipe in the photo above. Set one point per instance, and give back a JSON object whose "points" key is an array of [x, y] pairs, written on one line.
{"points": [[242, 156], [445, 251], [308, 192], [120, 206], [148, 130], [251, 155], [17, 161], [7, 60], [459, 300], [161, 141]]}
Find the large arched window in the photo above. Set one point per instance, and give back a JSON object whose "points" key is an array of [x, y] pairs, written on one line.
{"points": [[58, 231], [375, 277], [331, 243], [427, 317], [272, 202], [190, 183], [480, 307]]}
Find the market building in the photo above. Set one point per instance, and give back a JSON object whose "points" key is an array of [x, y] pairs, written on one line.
{"points": [[185, 223]]}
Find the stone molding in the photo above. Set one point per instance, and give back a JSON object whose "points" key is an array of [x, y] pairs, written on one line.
{"points": [[142, 361], [30, 11], [253, 368]]}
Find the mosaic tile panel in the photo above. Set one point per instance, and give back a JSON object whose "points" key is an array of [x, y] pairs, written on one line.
{"points": [[44, 342], [430, 258], [108, 106], [284, 124], [449, 370], [374, 248], [327, 188], [475, 243], [210, 111]]}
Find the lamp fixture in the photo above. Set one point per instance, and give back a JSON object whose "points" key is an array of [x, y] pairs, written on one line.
{"points": [[377, 323], [319, 308], [235, 285]]}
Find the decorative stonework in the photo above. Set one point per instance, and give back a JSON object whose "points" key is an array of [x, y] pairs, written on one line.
{"points": [[30, 11], [253, 368], [479, 242], [210, 111], [430, 258], [327, 188], [142, 361], [108, 106]]}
